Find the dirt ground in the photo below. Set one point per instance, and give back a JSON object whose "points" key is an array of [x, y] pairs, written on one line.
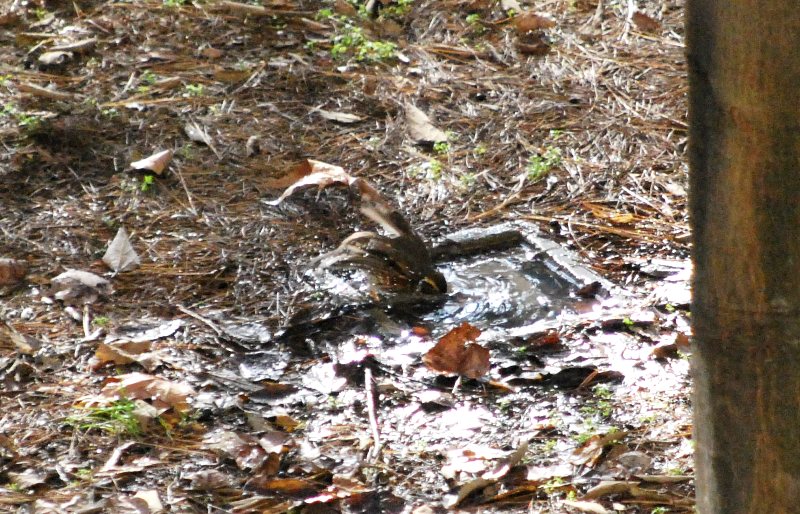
{"points": [[169, 388]]}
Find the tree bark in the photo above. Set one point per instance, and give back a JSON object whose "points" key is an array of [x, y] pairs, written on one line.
{"points": [[744, 96]]}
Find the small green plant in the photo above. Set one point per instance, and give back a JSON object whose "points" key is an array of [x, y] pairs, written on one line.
{"points": [[441, 147], [473, 19], [480, 150], [398, 8], [194, 89], [40, 13], [659, 510], [101, 321], [109, 113], [147, 182], [467, 179], [28, 121], [601, 405], [628, 322], [352, 41], [149, 78], [540, 165], [5, 80], [550, 445], [117, 418], [553, 485], [84, 473], [324, 14], [435, 169], [175, 3]]}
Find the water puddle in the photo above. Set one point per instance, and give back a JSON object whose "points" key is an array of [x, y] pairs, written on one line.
{"points": [[519, 287]]}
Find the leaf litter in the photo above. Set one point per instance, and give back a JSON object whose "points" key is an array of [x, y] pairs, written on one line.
{"points": [[600, 87]]}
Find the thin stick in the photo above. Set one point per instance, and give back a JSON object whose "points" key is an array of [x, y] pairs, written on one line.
{"points": [[373, 417]]}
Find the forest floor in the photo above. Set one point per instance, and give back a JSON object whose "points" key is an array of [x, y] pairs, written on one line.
{"points": [[173, 386]]}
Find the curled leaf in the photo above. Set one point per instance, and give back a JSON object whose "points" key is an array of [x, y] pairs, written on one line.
{"points": [[453, 353]]}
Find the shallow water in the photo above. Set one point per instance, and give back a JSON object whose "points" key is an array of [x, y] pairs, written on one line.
{"points": [[507, 290]]}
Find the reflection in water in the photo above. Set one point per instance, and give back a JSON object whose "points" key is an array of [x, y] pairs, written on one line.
{"points": [[517, 288]]}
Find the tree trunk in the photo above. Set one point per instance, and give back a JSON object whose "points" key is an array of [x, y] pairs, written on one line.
{"points": [[744, 77]]}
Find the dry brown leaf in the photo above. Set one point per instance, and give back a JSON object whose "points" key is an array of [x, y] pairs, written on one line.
{"points": [[420, 127], [590, 452], [609, 487], [310, 173], [452, 354], [585, 506], [211, 53], [163, 394], [12, 271], [529, 22], [291, 487], [125, 352], [155, 163], [645, 23]]}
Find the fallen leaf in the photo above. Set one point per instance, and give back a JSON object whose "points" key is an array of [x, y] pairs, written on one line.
{"points": [[310, 173], [529, 22], [589, 453], [291, 487], [609, 487], [12, 271], [155, 163], [420, 127], [125, 352], [585, 506], [200, 135], [339, 117], [211, 53], [452, 354], [83, 286], [163, 394], [120, 255], [645, 23], [152, 499]]}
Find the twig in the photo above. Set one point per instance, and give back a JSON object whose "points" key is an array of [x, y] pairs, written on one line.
{"points": [[185, 188], [373, 417], [213, 326]]}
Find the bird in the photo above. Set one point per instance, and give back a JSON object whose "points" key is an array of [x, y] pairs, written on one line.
{"points": [[398, 262]]}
